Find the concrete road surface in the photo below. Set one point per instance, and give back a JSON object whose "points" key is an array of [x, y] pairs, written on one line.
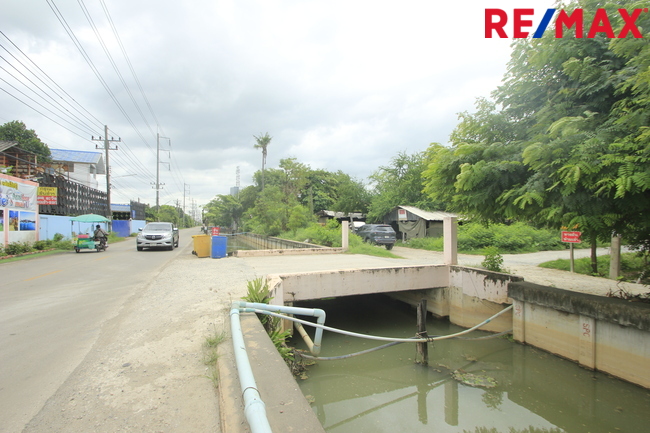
{"points": [[51, 312]]}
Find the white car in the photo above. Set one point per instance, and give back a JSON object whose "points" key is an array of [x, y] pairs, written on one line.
{"points": [[157, 235]]}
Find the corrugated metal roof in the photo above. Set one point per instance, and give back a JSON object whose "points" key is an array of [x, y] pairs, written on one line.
{"points": [[428, 215], [4, 145], [80, 157], [75, 156]]}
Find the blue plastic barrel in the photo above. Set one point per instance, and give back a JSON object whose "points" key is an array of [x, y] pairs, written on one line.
{"points": [[219, 247]]}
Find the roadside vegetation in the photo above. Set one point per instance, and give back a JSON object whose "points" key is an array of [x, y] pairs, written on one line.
{"points": [[18, 248], [258, 292], [634, 267], [329, 235], [58, 243], [210, 354], [515, 238]]}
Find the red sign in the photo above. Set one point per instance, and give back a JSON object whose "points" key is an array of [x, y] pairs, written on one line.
{"points": [[215, 231], [496, 20], [571, 237], [46, 200]]}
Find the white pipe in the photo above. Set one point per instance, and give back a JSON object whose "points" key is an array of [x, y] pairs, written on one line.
{"points": [[254, 407], [313, 312]]}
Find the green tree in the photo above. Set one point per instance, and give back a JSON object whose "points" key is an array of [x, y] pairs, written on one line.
{"points": [[166, 213], [299, 217], [263, 143], [399, 183], [351, 195], [26, 139], [224, 211], [270, 215], [562, 144]]}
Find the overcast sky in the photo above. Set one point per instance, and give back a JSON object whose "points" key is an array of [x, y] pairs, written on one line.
{"points": [[339, 85]]}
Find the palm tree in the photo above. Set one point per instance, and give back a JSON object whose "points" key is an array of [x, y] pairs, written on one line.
{"points": [[263, 142]]}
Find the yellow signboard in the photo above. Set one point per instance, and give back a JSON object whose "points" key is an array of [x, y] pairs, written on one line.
{"points": [[47, 195], [47, 191]]}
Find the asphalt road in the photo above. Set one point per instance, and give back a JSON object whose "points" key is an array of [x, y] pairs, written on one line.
{"points": [[51, 312]]}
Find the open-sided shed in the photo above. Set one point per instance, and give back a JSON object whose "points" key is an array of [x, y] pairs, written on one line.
{"points": [[411, 222]]}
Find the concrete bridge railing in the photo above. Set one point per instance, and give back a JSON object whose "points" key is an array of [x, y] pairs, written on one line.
{"points": [[270, 246]]}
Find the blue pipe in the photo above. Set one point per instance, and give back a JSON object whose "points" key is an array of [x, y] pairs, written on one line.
{"points": [[254, 407]]}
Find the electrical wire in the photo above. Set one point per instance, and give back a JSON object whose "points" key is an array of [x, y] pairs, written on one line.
{"points": [[377, 338], [92, 66], [67, 113], [112, 62], [87, 114], [128, 61], [385, 346]]}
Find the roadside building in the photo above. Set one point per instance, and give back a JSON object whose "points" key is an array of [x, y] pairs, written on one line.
{"points": [[411, 222], [79, 166]]}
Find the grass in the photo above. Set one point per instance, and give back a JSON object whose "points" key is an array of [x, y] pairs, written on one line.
{"points": [[31, 256], [632, 267], [357, 246], [210, 354]]}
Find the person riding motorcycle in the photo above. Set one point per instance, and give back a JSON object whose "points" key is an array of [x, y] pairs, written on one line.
{"points": [[101, 236]]}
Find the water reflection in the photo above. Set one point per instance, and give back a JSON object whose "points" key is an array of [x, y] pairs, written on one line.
{"points": [[387, 391]]}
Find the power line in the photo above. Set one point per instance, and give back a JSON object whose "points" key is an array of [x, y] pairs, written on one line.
{"points": [[92, 66], [33, 100], [42, 114], [112, 61], [128, 61], [98, 122], [45, 96]]}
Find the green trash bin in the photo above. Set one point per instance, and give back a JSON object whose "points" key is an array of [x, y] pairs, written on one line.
{"points": [[201, 245]]}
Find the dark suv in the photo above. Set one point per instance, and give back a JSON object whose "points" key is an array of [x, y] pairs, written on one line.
{"points": [[380, 234]]}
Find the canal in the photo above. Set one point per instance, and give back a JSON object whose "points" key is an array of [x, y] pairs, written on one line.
{"points": [[528, 390]]}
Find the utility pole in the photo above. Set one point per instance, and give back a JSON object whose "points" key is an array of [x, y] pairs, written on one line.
{"points": [[106, 148], [158, 185], [186, 188]]}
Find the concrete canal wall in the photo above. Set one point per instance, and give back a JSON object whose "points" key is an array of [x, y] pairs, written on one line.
{"points": [[606, 334]]}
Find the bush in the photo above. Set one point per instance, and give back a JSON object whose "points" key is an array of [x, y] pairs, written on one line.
{"points": [[16, 248], [473, 238], [514, 238], [633, 267], [493, 260], [430, 244], [63, 244], [328, 235], [42, 245], [58, 237]]}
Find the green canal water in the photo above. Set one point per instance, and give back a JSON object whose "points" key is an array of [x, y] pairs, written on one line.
{"points": [[385, 391]]}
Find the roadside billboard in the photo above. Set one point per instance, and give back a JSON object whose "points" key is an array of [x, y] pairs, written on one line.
{"points": [[18, 210]]}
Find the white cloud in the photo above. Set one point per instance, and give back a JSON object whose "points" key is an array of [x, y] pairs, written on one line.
{"points": [[339, 85]]}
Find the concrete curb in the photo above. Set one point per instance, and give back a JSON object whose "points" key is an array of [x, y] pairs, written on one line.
{"points": [[286, 407]]}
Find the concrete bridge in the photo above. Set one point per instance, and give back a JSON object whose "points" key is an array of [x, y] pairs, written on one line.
{"points": [[606, 334]]}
